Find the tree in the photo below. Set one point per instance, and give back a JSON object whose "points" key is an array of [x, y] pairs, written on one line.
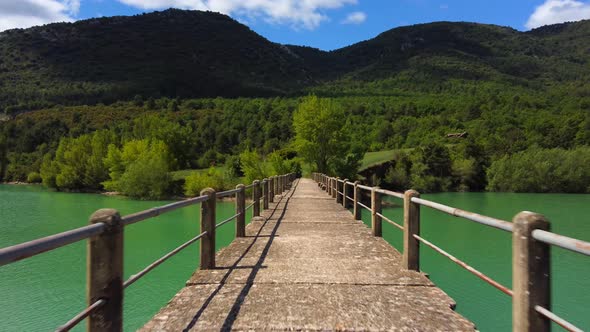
{"points": [[321, 136], [139, 169], [78, 162], [253, 166]]}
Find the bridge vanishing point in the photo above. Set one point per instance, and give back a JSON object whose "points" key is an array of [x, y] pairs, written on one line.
{"points": [[305, 262]]}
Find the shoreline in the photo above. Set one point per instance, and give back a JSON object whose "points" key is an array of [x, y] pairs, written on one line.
{"points": [[113, 193]]}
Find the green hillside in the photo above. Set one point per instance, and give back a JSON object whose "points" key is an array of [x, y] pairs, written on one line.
{"points": [[189, 54], [193, 89], [173, 53]]}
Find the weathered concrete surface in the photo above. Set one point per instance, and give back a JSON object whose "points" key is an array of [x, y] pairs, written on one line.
{"points": [[308, 265]]}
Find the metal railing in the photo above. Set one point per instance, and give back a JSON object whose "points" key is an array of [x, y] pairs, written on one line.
{"points": [[531, 241], [105, 247]]}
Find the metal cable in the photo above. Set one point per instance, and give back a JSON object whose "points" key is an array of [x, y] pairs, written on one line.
{"points": [[150, 267], [464, 265], [478, 218], [81, 316], [363, 205], [565, 242], [557, 320], [31, 248], [228, 220], [390, 221]]}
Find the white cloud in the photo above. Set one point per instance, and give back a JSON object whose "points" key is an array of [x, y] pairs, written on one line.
{"points": [[558, 11], [308, 14], [28, 13], [355, 18]]}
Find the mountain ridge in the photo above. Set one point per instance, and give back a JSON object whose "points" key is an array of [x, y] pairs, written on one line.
{"points": [[192, 54]]}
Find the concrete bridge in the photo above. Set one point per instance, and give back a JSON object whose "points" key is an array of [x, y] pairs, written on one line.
{"points": [[307, 264]]}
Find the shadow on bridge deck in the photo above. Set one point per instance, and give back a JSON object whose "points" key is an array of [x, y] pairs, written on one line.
{"points": [[306, 264]]}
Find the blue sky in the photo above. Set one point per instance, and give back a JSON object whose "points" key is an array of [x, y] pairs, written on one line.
{"points": [[325, 24]]}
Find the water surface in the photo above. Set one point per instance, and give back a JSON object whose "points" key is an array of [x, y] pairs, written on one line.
{"points": [[43, 292], [490, 251]]}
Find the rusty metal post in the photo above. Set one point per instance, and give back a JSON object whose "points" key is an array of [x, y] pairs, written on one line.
{"points": [[531, 274], [207, 249], [256, 198], [265, 194], [376, 222], [411, 256], [345, 194], [357, 198], [271, 189], [104, 273], [241, 211]]}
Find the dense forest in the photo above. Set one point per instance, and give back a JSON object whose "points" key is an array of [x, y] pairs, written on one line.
{"points": [[97, 104]]}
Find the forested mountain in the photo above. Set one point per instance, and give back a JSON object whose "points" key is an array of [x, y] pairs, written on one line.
{"points": [[97, 104], [173, 53], [184, 54]]}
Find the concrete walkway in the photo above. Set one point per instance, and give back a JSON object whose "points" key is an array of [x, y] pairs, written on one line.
{"points": [[306, 264]]}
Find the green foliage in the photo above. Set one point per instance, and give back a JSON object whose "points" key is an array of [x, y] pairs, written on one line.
{"points": [[253, 166], [404, 90], [198, 181], [321, 139], [139, 169], [34, 177], [78, 162], [542, 170], [147, 178], [122, 58], [278, 163]]}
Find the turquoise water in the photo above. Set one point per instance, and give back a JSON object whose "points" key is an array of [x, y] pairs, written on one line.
{"points": [[489, 250], [43, 292]]}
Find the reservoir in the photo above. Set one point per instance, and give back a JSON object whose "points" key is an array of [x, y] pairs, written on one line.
{"points": [[43, 292]]}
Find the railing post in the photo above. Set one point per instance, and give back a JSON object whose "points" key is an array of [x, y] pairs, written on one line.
{"points": [[331, 192], [271, 189], [411, 256], [344, 194], [104, 273], [241, 211], [256, 198], [376, 221], [338, 191], [207, 249], [265, 194], [335, 188], [329, 185], [531, 274], [277, 180], [357, 197]]}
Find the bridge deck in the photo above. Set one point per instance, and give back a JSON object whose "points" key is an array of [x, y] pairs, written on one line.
{"points": [[306, 264]]}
